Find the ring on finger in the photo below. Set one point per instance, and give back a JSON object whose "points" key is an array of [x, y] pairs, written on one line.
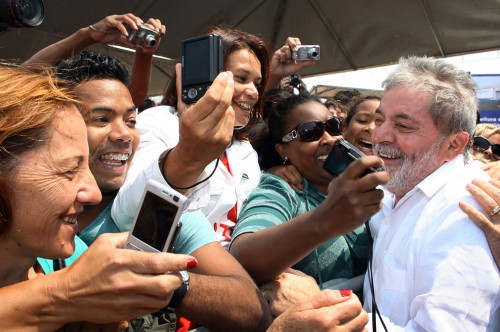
{"points": [[495, 210]]}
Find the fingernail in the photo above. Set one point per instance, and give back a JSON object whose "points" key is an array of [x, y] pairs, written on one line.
{"points": [[192, 263], [345, 292]]}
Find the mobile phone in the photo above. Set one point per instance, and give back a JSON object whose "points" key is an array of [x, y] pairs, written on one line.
{"points": [[156, 224], [343, 153], [202, 61]]}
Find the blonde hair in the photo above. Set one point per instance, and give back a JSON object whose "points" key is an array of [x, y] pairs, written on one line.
{"points": [[486, 130], [28, 104]]}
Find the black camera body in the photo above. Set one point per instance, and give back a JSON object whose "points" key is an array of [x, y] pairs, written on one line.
{"points": [[143, 37], [295, 80], [21, 13], [202, 61], [343, 153], [306, 52]]}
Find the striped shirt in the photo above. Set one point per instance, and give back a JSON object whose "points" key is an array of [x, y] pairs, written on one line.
{"points": [[273, 202]]}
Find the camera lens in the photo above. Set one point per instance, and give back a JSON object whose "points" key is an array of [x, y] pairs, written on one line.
{"points": [[150, 41], [21, 13], [313, 53], [176, 198]]}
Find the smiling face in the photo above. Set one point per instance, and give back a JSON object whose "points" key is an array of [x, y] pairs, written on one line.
{"points": [[110, 116], [359, 130], [247, 76], [407, 139], [51, 185], [309, 157]]}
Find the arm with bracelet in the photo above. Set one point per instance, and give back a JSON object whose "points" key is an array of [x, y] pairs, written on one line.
{"points": [[113, 29]]}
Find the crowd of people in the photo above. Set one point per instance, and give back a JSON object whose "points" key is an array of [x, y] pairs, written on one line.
{"points": [[270, 240]]}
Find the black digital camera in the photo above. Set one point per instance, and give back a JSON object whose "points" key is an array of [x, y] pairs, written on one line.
{"points": [[306, 52], [143, 37], [295, 80], [202, 61], [343, 153]]}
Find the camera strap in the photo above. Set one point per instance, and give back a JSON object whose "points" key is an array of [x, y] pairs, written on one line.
{"points": [[375, 311]]}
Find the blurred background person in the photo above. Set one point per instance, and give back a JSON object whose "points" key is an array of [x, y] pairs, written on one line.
{"points": [[360, 122], [486, 143]]}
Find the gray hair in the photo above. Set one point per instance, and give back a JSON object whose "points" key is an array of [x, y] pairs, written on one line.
{"points": [[455, 103]]}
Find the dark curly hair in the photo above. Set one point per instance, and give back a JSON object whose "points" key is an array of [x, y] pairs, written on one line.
{"points": [[89, 65]]}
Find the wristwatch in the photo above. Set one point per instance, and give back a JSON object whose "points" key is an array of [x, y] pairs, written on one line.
{"points": [[180, 292]]}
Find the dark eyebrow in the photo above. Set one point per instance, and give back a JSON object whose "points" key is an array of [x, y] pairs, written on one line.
{"points": [[110, 110], [247, 72]]}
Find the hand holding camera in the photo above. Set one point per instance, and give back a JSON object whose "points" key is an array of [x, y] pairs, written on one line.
{"points": [[342, 154], [284, 61], [306, 52], [353, 196], [142, 37], [128, 30]]}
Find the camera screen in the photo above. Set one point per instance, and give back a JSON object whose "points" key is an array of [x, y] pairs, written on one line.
{"points": [[337, 161], [154, 221], [196, 62]]}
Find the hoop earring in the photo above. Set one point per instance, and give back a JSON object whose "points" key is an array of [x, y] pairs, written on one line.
{"points": [[285, 160]]}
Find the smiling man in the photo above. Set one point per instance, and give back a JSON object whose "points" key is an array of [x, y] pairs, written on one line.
{"points": [[110, 115], [432, 267]]}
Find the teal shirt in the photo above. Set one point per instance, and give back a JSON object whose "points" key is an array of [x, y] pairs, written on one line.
{"points": [[48, 264], [195, 233], [102, 224], [273, 202]]}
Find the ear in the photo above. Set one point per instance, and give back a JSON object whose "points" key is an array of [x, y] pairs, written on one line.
{"points": [[455, 144], [280, 148]]}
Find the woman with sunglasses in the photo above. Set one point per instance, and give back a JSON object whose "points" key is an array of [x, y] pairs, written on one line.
{"points": [[486, 143], [318, 230], [485, 149]]}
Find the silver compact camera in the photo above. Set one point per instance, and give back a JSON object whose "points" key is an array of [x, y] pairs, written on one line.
{"points": [[143, 37], [306, 52]]}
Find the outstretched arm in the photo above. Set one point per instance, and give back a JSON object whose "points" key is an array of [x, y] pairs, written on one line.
{"points": [[110, 30], [268, 252], [282, 64], [222, 296], [143, 62], [205, 131]]}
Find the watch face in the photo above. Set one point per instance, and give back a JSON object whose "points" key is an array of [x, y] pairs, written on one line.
{"points": [[185, 277], [180, 292]]}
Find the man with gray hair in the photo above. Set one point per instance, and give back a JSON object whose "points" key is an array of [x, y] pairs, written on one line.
{"points": [[432, 269]]}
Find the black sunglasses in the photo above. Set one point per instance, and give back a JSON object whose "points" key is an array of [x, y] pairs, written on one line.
{"points": [[481, 144], [313, 130]]}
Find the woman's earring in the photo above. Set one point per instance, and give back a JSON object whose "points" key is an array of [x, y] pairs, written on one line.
{"points": [[285, 160]]}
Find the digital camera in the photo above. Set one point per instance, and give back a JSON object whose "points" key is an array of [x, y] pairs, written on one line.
{"points": [[306, 52], [143, 37], [202, 61], [295, 80], [343, 153]]}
